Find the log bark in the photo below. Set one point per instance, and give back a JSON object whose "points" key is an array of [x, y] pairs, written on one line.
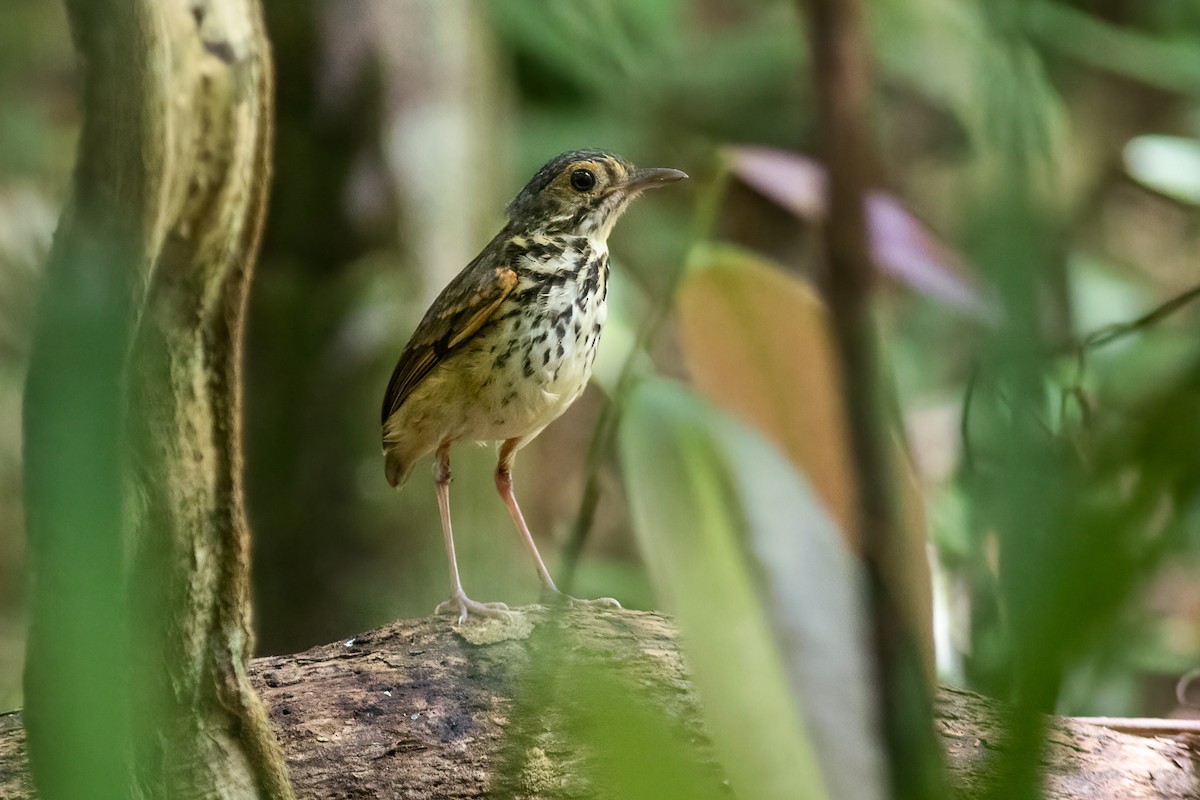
{"points": [[140, 630], [420, 710]]}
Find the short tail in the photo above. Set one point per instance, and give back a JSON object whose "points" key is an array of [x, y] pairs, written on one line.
{"points": [[396, 469]]}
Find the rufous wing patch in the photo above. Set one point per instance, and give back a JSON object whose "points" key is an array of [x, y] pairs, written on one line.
{"points": [[506, 281], [455, 317]]}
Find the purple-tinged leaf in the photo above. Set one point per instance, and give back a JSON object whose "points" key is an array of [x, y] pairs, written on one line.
{"points": [[790, 181], [908, 250], [901, 245]]}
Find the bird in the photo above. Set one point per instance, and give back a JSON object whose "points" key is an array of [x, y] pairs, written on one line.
{"points": [[509, 344]]}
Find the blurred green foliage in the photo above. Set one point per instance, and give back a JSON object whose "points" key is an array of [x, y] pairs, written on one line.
{"points": [[37, 136], [1061, 480], [692, 517], [77, 636]]}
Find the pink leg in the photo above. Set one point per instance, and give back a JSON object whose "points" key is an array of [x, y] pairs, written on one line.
{"points": [[508, 451], [504, 485], [458, 603]]}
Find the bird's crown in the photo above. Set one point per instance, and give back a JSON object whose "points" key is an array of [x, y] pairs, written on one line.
{"points": [[582, 192]]}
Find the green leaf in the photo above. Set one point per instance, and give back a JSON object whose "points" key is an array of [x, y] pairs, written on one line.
{"points": [[744, 555], [959, 56], [1171, 63]]}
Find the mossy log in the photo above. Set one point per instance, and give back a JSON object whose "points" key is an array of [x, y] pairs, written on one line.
{"points": [[419, 709]]}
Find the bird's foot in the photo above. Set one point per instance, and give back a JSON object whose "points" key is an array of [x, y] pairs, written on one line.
{"points": [[554, 597], [462, 606]]}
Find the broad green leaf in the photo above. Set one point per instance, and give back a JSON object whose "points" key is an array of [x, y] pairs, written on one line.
{"points": [[744, 555]]}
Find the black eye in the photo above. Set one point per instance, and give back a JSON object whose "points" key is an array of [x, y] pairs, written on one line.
{"points": [[582, 180]]}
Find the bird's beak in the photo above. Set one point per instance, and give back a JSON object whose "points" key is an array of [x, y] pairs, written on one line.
{"points": [[652, 178]]}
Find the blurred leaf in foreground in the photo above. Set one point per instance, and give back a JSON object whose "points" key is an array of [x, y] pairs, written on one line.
{"points": [[76, 689], [1170, 62], [757, 342], [768, 599], [634, 751], [637, 754]]}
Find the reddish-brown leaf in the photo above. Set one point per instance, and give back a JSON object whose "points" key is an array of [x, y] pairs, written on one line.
{"points": [[756, 341]]}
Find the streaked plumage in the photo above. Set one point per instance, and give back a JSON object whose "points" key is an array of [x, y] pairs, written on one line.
{"points": [[509, 344]]}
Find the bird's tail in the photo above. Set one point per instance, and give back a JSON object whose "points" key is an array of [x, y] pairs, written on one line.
{"points": [[396, 468]]}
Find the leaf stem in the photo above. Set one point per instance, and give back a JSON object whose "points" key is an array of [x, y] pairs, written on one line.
{"points": [[605, 432]]}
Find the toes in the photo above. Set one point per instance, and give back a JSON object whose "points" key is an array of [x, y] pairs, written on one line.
{"points": [[599, 602], [464, 606], [565, 600], [492, 610]]}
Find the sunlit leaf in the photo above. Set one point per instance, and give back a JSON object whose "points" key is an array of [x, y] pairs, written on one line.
{"points": [[814, 595], [1167, 164], [751, 565], [901, 245]]}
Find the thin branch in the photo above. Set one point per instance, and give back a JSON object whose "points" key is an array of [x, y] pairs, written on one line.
{"points": [[605, 432], [841, 76], [1111, 333], [964, 419]]}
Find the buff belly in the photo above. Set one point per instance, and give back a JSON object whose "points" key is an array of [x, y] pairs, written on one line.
{"points": [[520, 374]]}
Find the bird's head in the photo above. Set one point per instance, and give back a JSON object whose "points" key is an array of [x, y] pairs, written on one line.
{"points": [[583, 192]]}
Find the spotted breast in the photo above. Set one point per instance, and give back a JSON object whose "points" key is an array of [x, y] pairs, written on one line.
{"points": [[538, 357], [509, 343]]}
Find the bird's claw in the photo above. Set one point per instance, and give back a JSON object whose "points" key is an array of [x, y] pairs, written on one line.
{"points": [[555, 597], [597, 602], [464, 606]]}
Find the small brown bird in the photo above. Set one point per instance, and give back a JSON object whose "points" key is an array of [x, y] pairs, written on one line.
{"points": [[509, 344]]}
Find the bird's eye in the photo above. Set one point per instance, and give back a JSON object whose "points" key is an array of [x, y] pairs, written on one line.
{"points": [[582, 180]]}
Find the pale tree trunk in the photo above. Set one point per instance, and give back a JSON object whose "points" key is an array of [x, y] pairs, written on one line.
{"points": [[136, 679]]}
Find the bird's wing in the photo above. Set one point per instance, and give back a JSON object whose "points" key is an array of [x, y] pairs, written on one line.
{"points": [[456, 315]]}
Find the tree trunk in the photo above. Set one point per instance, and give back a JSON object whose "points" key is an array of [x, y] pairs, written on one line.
{"points": [[140, 621], [420, 711]]}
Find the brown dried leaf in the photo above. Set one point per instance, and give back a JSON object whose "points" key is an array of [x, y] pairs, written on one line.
{"points": [[756, 342]]}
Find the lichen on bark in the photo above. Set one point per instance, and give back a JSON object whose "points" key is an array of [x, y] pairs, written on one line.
{"points": [[150, 269]]}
